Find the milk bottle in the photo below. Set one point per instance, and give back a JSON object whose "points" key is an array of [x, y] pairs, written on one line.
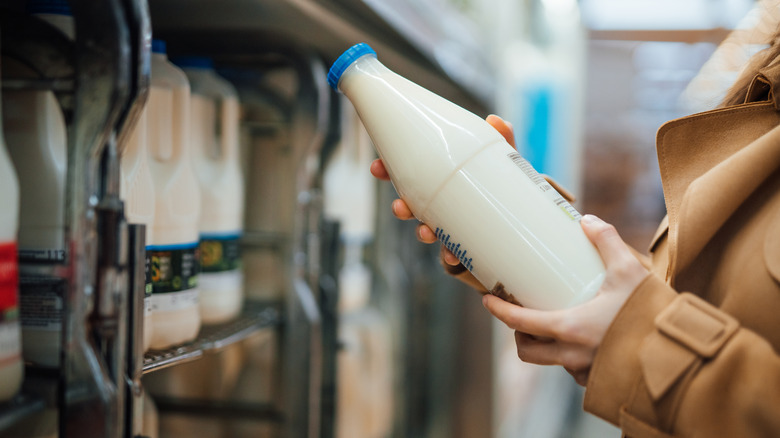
{"points": [[214, 115], [11, 369], [364, 382], [136, 189], [486, 204], [174, 249], [36, 136]]}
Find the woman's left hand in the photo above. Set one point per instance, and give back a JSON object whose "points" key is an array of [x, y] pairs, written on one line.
{"points": [[570, 337]]}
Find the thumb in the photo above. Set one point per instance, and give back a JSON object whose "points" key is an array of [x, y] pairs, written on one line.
{"points": [[605, 238]]}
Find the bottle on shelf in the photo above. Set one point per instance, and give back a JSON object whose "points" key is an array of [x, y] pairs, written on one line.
{"points": [[175, 238], [136, 189], [36, 135], [364, 381], [11, 367], [486, 203], [214, 115]]}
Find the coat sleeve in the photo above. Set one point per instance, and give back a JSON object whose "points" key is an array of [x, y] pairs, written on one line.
{"points": [[673, 365]]}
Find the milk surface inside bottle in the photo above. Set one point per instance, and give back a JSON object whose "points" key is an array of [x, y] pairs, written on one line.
{"points": [[214, 115], [36, 137], [174, 249], [136, 189], [487, 205], [11, 369]]}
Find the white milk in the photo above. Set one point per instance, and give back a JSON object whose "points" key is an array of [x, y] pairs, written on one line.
{"points": [[504, 222], [364, 383], [151, 418], [174, 249], [11, 369], [214, 115], [36, 135], [136, 189]]}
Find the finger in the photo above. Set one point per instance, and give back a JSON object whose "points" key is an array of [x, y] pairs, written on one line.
{"points": [[606, 239], [503, 127], [425, 234], [449, 257], [532, 350], [534, 322], [401, 210], [580, 376], [378, 170]]}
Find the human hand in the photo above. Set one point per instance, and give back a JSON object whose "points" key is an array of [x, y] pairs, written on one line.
{"points": [[571, 337], [402, 211]]}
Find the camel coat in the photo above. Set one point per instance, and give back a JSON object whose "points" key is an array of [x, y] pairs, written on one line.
{"points": [[694, 350]]}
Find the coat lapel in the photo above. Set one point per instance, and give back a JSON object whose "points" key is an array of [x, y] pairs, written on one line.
{"points": [[710, 163]]}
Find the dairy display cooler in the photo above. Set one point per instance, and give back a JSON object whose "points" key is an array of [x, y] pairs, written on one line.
{"points": [[277, 367]]}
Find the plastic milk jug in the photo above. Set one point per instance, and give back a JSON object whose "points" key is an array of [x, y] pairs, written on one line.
{"points": [[487, 204], [36, 136], [137, 191], [175, 238], [214, 116], [11, 369]]}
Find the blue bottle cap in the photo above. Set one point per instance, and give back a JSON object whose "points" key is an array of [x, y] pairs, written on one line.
{"points": [[345, 60], [158, 46], [193, 62], [54, 7]]}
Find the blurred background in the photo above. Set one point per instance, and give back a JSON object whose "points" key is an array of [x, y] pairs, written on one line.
{"points": [[348, 327]]}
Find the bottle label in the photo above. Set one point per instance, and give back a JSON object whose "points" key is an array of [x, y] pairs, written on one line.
{"points": [[40, 302], [10, 337], [9, 282], [148, 286], [42, 255], [456, 248], [545, 187], [219, 252], [174, 275]]}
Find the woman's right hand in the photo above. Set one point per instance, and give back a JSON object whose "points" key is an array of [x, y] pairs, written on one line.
{"points": [[402, 211]]}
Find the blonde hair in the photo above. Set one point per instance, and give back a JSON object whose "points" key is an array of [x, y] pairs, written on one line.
{"points": [[738, 91]]}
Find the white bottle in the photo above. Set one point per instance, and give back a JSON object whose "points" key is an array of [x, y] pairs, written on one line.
{"points": [[214, 115], [151, 418], [37, 139], [174, 249], [11, 369], [364, 382], [136, 189], [487, 205]]}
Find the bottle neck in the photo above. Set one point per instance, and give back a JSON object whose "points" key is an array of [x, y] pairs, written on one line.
{"points": [[367, 65]]}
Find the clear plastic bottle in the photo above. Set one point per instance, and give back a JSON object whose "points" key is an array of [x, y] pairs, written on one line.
{"points": [[215, 113], [487, 204], [175, 237], [37, 142], [137, 191], [11, 369]]}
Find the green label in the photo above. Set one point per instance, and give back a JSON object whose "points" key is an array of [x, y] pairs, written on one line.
{"points": [[220, 253], [174, 268], [148, 286]]}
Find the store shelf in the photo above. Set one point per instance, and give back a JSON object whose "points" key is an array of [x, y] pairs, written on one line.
{"points": [[412, 42], [19, 408], [231, 409], [255, 317]]}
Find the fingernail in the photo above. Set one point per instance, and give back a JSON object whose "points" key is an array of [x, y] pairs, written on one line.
{"points": [[590, 219]]}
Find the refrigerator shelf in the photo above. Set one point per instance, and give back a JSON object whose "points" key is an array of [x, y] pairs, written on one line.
{"points": [[255, 317], [19, 408]]}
